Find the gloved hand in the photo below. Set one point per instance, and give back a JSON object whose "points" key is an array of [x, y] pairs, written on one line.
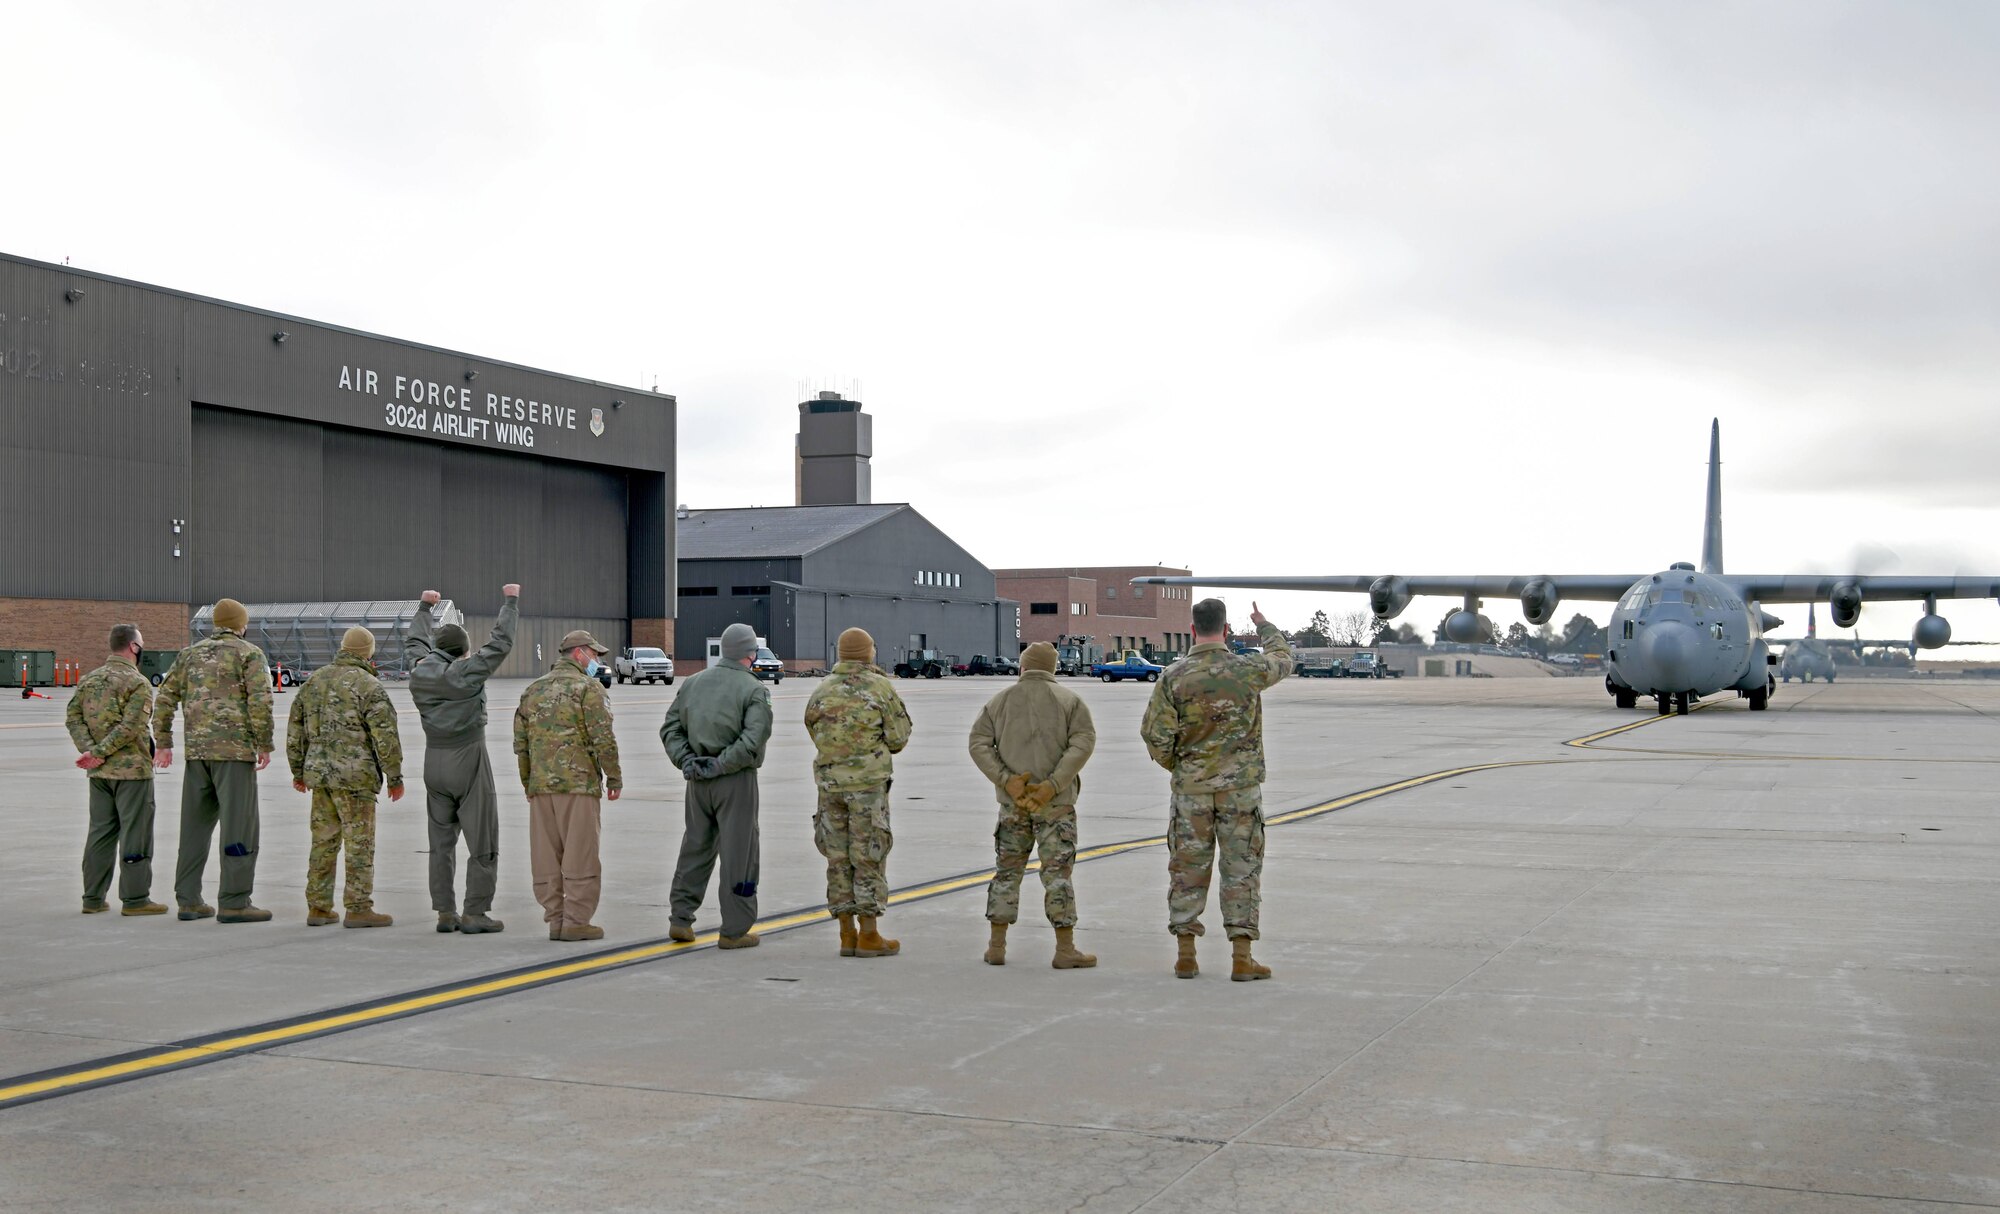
{"points": [[702, 767], [1016, 785], [1039, 795]]}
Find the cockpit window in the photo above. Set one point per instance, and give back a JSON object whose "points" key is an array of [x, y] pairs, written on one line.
{"points": [[1663, 594], [1634, 598]]}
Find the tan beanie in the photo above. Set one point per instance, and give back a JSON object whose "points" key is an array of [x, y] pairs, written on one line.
{"points": [[358, 642], [230, 614], [855, 645], [1039, 656]]}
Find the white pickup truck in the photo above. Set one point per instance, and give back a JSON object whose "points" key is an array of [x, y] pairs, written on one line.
{"points": [[643, 666]]}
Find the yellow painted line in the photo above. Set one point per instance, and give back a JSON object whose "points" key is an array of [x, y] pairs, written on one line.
{"points": [[480, 989]]}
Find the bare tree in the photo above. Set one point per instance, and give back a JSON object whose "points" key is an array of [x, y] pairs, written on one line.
{"points": [[1352, 629]]}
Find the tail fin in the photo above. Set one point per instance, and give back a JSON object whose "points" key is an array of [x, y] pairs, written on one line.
{"points": [[1711, 532]]}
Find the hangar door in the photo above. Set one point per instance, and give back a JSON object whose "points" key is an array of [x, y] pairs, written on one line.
{"points": [[289, 511]]}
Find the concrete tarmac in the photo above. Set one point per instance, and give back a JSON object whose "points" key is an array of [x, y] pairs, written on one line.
{"points": [[1720, 962]]}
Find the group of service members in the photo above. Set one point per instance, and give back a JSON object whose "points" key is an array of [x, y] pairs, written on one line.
{"points": [[1204, 725]]}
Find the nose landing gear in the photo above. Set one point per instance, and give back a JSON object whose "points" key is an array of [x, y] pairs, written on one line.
{"points": [[1674, 702]]}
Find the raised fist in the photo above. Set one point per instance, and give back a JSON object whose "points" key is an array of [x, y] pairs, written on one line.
{"points": [[431, 596], [511, 590]]}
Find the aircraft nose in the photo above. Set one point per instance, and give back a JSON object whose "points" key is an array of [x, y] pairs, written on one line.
{"points": [[1669, 649]]}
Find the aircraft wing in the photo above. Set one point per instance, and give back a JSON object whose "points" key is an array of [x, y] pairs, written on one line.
{"points": [[1818, 587], [1605, 587]]}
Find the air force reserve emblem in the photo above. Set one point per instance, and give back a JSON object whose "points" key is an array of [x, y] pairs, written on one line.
{"points": [[597, 423]]}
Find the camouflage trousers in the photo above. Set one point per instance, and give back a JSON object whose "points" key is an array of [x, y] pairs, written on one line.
{"points": [[1052, 830], [851, 830], [340, 817], [1231, 822]]}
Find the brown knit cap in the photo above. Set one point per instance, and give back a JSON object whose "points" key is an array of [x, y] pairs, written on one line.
{"points": [[855, 645], [1039, 656], [230, 614], [358, 642]]}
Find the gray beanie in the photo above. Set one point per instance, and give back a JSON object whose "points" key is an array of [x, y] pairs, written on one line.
{"points": [[452, 640], [739, 641]]}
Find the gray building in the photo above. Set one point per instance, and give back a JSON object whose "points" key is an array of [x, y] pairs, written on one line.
{"points": [[801, 574], [159, 450]]}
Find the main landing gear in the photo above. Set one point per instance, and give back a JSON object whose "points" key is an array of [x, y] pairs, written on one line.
{"points": [[1760, 699]]}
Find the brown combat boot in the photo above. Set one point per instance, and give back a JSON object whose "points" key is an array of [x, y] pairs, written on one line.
{"points": [[1067, 958], [143, 908], [996, 945], [447, 922], [317, 916], [683, 932], [870, 943], [848, 934], [480, 924], [190, 911], [240, 914], [746, 940], [95, 906], [580, 931], [367, 918], [1184, 965], [1244, 967]]}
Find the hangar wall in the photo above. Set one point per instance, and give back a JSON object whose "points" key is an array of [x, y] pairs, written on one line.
{"points": [[290, 460]]}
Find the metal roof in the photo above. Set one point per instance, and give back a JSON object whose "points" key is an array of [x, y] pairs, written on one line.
{"points": [[771, 532]]}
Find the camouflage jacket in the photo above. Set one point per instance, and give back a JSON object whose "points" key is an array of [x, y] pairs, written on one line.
{"points": [[225, 685], [857, 721], [450, 693], [562, 735], [342, 731], [1037, 728], [108, 718], [723, 712], [1205, 723]]}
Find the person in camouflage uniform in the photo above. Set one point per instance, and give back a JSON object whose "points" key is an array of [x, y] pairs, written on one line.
{"points": [[1031, 740], [567, 754], [716, 731], [448, 686], [857, 721], [1205, 724], [109, 720], [342, 744], [226, 687]]}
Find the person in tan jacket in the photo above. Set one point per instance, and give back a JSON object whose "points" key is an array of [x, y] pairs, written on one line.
{"points": [[1031, 740]]}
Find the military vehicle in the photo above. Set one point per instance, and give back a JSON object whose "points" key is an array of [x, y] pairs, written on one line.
{"points": [[924, 664]]}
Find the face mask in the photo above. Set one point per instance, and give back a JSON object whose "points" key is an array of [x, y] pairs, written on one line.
{"points": [[592, 669], [138, 651]]}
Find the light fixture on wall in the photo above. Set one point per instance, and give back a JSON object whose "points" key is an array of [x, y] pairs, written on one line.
{"points": [[471, 375], [280, 336], [618, 404], [73, 294]]}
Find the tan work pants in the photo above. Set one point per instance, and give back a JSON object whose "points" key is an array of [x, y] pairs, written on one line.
{"points": [[563, 830]]}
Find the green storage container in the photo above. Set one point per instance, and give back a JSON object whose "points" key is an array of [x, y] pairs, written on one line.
{"points": [[40, 665]]}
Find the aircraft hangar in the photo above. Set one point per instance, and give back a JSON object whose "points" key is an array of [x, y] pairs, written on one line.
{"points": [[160, 450]]}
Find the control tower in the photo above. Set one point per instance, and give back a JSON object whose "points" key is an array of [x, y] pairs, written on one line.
{"points": [[835, 440]]}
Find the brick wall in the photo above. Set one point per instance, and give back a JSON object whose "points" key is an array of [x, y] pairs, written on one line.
{"points": [[657, 633], [1160, 616], [77, 629]]}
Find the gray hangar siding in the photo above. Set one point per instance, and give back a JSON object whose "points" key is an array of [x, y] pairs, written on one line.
{"points": [[298, 512], [704, 614]]}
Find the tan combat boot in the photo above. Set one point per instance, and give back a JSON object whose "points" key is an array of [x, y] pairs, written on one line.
{"points": [[480, 924], [1184, 965], [996, 945], [746, 940], [683, 932], [579, 931], [190, 911], [95, 906], [1067, 958], [320, 916], [144, 908], [367, 918], [848, 935], [447, 922], [1244, 967], [870, 943], [240, 914]]}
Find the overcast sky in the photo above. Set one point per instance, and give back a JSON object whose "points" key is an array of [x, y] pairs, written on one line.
{"points": [[1254, 288]]}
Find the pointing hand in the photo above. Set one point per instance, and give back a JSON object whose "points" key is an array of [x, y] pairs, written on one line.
{"points": [[1256, 616]]}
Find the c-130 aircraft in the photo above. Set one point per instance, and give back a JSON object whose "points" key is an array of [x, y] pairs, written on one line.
{"points": [[1675, 635]]}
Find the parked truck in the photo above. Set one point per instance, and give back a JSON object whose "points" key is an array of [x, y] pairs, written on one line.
{"points": [[642, 665], [1131, 666], [1369, 665]]}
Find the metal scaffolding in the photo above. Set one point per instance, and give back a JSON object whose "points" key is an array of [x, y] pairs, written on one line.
{"points": [[306, 636]]}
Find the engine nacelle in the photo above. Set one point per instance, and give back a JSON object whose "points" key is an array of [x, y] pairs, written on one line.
{"points": [[1845, 604], [1539, 600], [1932, 632], [1387, 596], [1462, 626]]}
